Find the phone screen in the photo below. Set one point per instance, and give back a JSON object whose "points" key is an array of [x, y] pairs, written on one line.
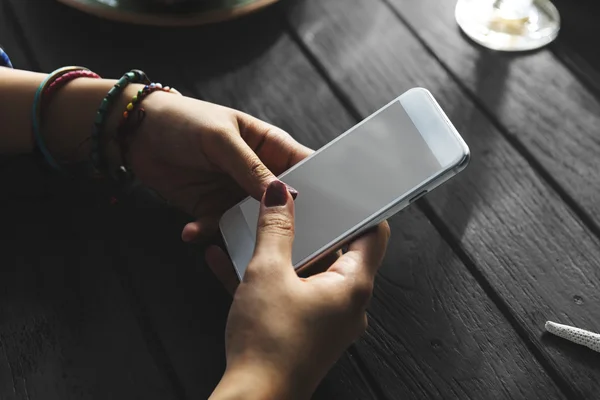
{"points": [[364, 171]]}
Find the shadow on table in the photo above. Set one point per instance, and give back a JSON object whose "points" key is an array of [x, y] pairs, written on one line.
{"points": [[457, 201], [67, 325]]}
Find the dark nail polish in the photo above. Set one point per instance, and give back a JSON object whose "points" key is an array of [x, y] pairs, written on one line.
{"points": [[292, 191], [276, 194]]}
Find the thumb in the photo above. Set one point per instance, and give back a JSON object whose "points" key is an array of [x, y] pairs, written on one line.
{"points": [[275, 231]]}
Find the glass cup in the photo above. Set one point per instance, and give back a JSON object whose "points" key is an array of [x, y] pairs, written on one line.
{"points": [[509, 25]]}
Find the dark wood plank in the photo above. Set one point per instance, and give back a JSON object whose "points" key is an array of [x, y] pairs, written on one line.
{"points": [[66, 328], [543, 107], [277, 85], [519, 238], [178, 297], [434, 332]]}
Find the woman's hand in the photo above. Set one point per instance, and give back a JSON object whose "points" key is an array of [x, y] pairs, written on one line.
{"points": [[204, 158], [200, 157], [284, 333]]}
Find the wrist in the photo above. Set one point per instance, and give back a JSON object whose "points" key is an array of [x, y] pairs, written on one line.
{"points": [[71, 114], [255, 382], [155, 107], [109, 146]]}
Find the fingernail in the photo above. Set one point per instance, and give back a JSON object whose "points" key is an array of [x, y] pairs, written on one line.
{"points": [[276, 194], [292, 191]]}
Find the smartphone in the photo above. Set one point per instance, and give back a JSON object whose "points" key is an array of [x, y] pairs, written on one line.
{"points": [[366, 175]]}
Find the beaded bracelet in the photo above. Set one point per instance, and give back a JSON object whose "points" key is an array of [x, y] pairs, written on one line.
{"points": [[98, 158], [125, 128], [36, 113], [141, 94], [4, 59]]}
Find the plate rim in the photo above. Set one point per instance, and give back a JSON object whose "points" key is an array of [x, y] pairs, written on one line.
{"points": [[165, 19]]}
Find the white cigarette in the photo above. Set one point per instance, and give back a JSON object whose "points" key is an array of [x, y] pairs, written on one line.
{"points": [[575, 335]]}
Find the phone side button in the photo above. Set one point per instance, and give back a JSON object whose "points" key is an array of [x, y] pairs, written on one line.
{"points": [[417, 197]]}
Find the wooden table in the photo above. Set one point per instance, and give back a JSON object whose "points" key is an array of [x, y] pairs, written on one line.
{"points": [[107, 303]]}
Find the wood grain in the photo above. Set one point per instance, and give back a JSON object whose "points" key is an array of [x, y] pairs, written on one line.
{"points": [[520, 239], [435, 334], [541, 105]]}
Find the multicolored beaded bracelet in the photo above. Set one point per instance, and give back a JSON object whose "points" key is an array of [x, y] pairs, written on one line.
{"points": [[36, 113], [4, 59], [99, 161], [125, 128], [141, 94]]}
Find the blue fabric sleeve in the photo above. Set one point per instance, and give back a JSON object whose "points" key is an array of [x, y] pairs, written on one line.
{"points": [[4, 60]]}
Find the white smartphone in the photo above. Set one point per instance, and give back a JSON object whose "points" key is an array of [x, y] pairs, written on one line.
{"points": [[359, 179]]}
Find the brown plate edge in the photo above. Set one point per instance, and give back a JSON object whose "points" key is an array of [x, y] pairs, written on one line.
{"points": [[168, 20]]}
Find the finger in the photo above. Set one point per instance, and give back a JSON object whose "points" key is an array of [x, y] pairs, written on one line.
{"points": [[201, 229], [221, 266], [370, 249], [239, 161], [278, 150], [275, 231], [365, 254]]}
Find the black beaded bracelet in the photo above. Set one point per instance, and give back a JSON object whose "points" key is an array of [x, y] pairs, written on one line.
{"points": [[98, 158]]}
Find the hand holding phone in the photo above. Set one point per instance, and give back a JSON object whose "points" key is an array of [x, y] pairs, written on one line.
{"points": [[283, 332], [363, 177]]}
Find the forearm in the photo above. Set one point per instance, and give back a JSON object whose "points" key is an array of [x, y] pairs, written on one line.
{"points": [[68, 118]]}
